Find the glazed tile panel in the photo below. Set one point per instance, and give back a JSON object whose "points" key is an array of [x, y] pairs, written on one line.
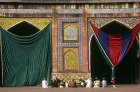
{"points": [[40, 23], [70, 35]]}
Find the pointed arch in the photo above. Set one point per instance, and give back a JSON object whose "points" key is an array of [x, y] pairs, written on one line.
{"points": [[121, 23], [115, 27], [23, 28], [129, 62], [70, 60]]}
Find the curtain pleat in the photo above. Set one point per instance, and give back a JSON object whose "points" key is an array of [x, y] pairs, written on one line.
{"points": [[114, 47], [26, 59]]}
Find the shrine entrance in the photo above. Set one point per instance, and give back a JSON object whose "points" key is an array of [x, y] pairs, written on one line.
{"points": [[127, 72]]}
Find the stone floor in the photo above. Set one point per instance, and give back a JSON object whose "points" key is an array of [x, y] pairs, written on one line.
{"points": [[119, 88]]}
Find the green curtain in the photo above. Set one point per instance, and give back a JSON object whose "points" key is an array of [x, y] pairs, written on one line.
{"points": [[26, 59]]}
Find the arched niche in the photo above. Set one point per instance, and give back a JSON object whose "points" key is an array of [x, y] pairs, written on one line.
{"points": [[115, 27], [70, 61], [23, 29], [70, 31], [127, 72]]}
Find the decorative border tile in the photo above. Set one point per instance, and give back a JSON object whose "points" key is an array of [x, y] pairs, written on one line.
{"points": [[68, 1], [40, 23], [99, 22], [69, 11], [69, 76], [128, 10], [40, 11], [78, 44]]}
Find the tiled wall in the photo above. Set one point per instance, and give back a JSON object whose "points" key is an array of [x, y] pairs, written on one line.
{"points": [[70, 43]]}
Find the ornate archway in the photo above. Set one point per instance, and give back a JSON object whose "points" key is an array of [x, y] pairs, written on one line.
{"points": [[23, 29], [100, 69]]}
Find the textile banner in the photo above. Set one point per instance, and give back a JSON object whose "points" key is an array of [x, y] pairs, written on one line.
{"points": [[26, 59], [114, 47]]}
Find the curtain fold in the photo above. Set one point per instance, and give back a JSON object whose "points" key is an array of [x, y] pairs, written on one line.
{"points": [[114, 47], [26, 59]]}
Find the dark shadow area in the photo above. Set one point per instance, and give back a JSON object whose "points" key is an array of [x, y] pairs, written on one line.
{"points": [[114, 28], [127, 72], [99, 67], [23, 29], [0, 69]]}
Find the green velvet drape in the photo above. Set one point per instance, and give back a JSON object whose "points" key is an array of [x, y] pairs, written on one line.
{"points": [[26, 59]]}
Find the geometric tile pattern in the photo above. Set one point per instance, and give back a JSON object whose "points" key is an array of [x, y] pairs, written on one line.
{"points": [[36, 11], [128, 10], [100, 22], [61, 44], [69, 11], [40, 23]]}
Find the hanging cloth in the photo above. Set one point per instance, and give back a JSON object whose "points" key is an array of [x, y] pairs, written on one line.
{"points": [[114, 47], [26, 59]]}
